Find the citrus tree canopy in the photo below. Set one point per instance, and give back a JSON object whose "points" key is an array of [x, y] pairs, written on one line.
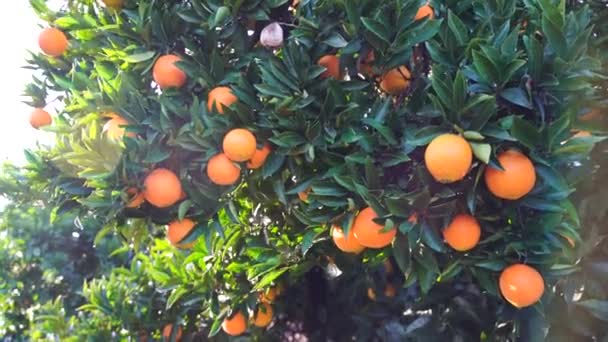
{"points": [[321, 170]]}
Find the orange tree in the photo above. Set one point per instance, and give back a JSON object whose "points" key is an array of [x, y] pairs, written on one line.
{"points": [[321, 168]]}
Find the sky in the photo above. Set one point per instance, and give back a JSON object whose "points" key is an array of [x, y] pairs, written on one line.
{"points": [[19, 29]]}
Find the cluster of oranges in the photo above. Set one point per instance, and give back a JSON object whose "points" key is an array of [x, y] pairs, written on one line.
{"points": [[390, 290], [393, 82], [236, 324], [449, 158]]}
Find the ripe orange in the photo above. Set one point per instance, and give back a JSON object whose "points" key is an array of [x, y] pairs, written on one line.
{"points": [[517, 179], [239, 145], [462, 233], [592, 115], [115, 4], [235, 325], [332, 64], [40, 118], [136, 198], [425, 11], [162, 188], [270, 295], [448, 158], [521, 285], [53, 42], [222, 97], [263, 316], [390, 290], [395, 81], [371, 294], [222, 171], [259, 157], [303, 195], [179, 230], [388, 267], [115, 129], [348, 244], [167, 332], [368, 233], [167, 74], [582, 134]]}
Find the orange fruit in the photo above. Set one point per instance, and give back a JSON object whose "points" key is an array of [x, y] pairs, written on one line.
{"points": [[425, 11], [582, 134], [115, 4], [53, 42], [448, 158], [136, 198], [371, 294], [235, 325], [168, 330], [592, 115], [239, 145], [40, 118], [259, 157], [303, 195], [390, 290], [348, 244], [115, 129], [222, 171], [517, 179], [395, 81], [162, 188], [332, 64], [179, 230], [462, 233], [366, 65], [368, 233], [222, 97], [521, 285], [263, 316], [388, 267], [270, 295], [167, 74]]}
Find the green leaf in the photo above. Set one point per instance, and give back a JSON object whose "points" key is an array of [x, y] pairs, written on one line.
{"points": [[175, 295], [525, 133], [401, 252], [473, 135], [183, 209], [481, 151], [216, 326], [458, 28], [516, 96], [220, 16], [555, 36], [596, 307], [336, 40], [377, 28], [269, 278], [140, 57], [485, 67], [432, 239], [272, 164], [492, 264]]}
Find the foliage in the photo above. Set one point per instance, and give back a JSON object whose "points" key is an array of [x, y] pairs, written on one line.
{"points": [[503, 73]]}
